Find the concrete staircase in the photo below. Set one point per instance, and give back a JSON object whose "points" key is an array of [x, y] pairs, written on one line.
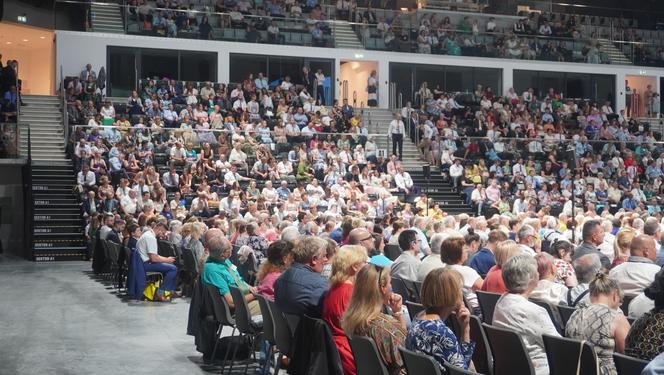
{"points": [[106, 19], [57, 231], [345, 36], [377, 122], [615, 55]]}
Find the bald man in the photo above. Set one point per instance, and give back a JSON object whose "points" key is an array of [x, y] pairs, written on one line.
{"points": [[640, 269], [362, 237]]}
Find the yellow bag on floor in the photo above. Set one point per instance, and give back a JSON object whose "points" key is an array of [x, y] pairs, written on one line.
{"points": [[151, 288]]}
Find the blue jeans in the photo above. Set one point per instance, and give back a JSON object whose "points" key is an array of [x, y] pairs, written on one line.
{"points": [[168, 270]]}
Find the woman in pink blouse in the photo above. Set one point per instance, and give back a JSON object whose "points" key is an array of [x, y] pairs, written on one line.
{"points": [[278, 259]]}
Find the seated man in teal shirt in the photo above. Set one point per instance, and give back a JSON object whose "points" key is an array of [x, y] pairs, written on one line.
{"points": [[220, 272]]}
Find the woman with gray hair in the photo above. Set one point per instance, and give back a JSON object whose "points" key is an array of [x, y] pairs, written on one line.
{"points": [[514, 311]]}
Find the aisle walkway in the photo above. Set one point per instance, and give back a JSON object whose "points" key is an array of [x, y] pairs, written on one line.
{"points": [[56, 319]]}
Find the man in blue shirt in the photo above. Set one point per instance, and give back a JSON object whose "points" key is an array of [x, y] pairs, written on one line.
{"points": [[629, 203], [301, 288], [484, 259]]}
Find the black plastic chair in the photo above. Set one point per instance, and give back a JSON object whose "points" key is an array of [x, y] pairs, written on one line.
{"points": [[283, 335], [487, 303], [222, 316], [417, 364], [367, 358], [566, 355], [418, 287], [268, 328], [165, 249], [414, 309], [625, 304], [392, 252], [627, 365], [453, 370], [482, 354], [509, 353], [405, 288], [243, 322], [565, 313]]}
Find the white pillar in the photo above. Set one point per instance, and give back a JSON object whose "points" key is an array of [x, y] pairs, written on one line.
{"points": [[508, 79], [620, 98], [383, 83], [336, 85], [223, 66]]}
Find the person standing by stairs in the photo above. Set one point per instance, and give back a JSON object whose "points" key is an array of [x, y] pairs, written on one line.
{"points": [[396, 131]]}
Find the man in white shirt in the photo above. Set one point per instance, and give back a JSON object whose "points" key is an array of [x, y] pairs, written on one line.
{"points": [[178, 154], [269, 193], [147, 248], [403, 181], [433, 261], [407, 264], [640, 269], [238, 158], [171, 179], [86, 178], [456, 173], [396, 130], [129, 203]]}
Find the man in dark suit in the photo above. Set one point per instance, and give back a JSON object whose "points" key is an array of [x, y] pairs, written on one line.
{"points": [[115, 235], [308, 79]]}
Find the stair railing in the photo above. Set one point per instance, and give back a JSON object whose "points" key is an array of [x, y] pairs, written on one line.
{"points": [[63, 101], [28, 222]]}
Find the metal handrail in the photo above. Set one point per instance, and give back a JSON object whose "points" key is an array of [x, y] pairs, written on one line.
{"points": [[63, 101]]}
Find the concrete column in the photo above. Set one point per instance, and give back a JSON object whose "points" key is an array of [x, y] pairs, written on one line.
{"points": [[620, 98], [223, 66], [383, 83], [508, 79]]}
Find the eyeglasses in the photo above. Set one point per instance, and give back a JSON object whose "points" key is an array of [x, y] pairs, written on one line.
{"points": [[366, 239], [380, 272]]}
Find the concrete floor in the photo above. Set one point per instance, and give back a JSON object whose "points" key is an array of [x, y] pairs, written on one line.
{"points": [[56, 319]]}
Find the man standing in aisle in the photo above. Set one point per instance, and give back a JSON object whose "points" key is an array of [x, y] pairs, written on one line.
{"points": [[396, 131]]}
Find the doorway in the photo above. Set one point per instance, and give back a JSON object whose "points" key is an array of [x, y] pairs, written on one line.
{"points": [[353, 82], [636, 103]]}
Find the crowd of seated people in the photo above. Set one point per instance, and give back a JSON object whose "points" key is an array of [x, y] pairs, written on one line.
{"points": [[257, 183], [259, 20], [516, 154]]}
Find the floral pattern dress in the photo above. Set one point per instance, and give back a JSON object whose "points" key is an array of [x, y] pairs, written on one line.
{"points": [[434, 338], [388, 334]]}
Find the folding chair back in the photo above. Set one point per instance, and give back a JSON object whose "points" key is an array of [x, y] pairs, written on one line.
{"points": [[242, 315], [453, 370], [565, 313], [627, 365], [222, 312], [566, 355], [367, 358], [268, 322], [417, 363], [482, 354], [487, 303], [509, 353], [414, 309]]}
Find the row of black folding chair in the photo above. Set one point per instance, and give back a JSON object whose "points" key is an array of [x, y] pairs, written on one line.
{"points": [[405, 288], [223, 317], [244, 324]]}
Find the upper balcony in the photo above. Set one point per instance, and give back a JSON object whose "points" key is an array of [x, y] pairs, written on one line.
{"points": [[535, 36]]}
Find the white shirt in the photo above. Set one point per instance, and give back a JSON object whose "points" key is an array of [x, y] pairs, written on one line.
{"points": [[526, 250], [633, 277], [639, 306], [128, 204], [87, 179], [406, 266], [549, 292], [147, 244], [396, 127], [456, 170], [429, 264], [530, 321], [470, 276]]}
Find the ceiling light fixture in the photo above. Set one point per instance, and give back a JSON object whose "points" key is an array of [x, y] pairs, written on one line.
{"points": [[25, 40], [9, 42], [42, 37]]}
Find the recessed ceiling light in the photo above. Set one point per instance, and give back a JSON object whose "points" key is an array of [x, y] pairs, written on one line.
{"points": [[42, 37], [25, 40], [9, 42]]}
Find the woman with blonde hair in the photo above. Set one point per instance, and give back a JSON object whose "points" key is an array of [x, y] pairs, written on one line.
{"points": [[441, 296], [191, 241], [621, 246], [493, 282], [348, 261], [364, 315]]}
